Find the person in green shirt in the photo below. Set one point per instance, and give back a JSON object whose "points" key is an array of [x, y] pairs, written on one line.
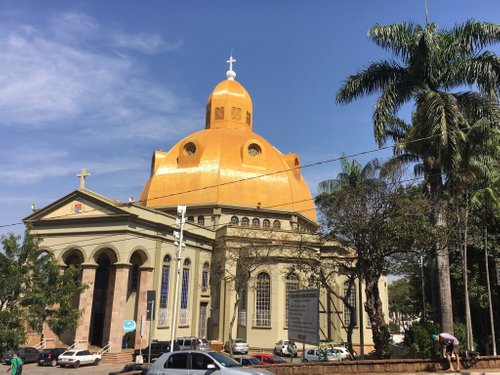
{"points": [[15, 364]]}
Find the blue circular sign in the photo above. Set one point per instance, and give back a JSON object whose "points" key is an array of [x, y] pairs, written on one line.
{"points": [[129, 325]]}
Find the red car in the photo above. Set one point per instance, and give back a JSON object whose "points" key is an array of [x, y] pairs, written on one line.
{"points": [[268, 358]]}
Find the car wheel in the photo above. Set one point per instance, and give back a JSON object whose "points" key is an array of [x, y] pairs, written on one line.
{"points": [[77, 364], [62, 366], [53, 363], [96, 361]]}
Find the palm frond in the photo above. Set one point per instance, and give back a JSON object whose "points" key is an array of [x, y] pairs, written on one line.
{"points": [[374, 78], [471, 36], [398, 38]]}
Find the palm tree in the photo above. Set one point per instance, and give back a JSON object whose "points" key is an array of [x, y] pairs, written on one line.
{"points": [[429, 64], [351, 175]]}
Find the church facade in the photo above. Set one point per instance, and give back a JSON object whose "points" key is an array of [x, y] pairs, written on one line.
{"points": [[249, 216]]}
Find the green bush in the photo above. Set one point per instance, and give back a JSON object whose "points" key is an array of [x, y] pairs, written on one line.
{"points": [[418, 339]]}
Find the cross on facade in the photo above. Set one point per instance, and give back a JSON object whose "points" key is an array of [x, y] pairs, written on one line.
{"points": [[230, 62], [83, 175]]}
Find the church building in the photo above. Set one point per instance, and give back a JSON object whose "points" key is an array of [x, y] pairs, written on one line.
{"points": [[215, 234]]}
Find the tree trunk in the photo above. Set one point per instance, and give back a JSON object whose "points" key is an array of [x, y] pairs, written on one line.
{"points": [[231, 324], [373, 306], [442, 254]]}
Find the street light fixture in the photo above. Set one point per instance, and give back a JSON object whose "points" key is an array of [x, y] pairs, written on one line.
{"points": [[178, 235]]}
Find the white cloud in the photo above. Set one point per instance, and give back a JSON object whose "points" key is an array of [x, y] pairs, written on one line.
{"points": [[67, 76], [144, 42]]}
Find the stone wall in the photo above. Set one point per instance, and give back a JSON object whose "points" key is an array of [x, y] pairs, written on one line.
{"points": [[375, 366]]}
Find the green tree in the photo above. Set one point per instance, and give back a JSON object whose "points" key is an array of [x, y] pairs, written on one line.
{"points": [[379, 220], [351, 175], [429, 63], [34, 290], [404, 305]]}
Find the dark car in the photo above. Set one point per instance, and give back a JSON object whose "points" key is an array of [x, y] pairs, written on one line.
{"points": [[131, 369], [157, 349], [48, 357], [26, 353]]}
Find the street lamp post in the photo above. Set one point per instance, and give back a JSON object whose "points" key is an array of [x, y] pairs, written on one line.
{"points": [[181, 212]]}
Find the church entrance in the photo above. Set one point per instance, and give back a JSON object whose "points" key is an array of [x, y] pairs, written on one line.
{"points": [[99, 300]]}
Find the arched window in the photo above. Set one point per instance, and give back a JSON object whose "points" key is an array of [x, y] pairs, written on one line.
{"points": [[291, 284], [276, 224], [245, 222], [263, 300], [191, 219], [201, 220], [266, 224], [184, 294], [164, 289], [205, 282], [235, 220], [134, 279], [351, 301], [255, 222]]}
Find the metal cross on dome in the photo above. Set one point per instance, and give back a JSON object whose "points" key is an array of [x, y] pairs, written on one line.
{"points": [[230, 62]]}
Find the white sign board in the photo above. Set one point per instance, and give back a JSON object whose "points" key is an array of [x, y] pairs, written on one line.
{"points": [[303, 316]]}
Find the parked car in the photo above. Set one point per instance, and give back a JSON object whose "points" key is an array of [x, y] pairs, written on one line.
{"points": [[157, 349], [247, 360], [192, 343], [239, 346], [316, 355], [285, 347], [49, 357], [268, 358], [131, 369], [75, 358], [26, 353], [341, 352], [192, 362]]}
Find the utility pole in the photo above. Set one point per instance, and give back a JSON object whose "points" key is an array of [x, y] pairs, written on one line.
{"points": [[181, 212]]}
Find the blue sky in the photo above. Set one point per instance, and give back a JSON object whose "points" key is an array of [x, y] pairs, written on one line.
{"points": [[102, 84]]}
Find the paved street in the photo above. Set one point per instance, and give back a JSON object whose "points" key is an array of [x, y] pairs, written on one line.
{"points": [[104, 369]]}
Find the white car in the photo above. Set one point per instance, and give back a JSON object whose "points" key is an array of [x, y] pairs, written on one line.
{"points": [[316, 355], [239, 346], [75, 358], [341, 352], [195, 362], [285, 347]]}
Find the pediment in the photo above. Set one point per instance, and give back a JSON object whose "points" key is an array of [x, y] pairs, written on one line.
{"points": [[78, 204], [78, 207]]}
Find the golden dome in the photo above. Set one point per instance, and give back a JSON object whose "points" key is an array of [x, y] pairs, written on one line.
{"points": [[227, 163]]}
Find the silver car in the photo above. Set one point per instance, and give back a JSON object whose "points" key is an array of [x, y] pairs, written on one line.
{"points": [[195, 362]]}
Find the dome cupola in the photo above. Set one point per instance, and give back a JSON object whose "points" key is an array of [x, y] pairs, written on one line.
{"points": [[229, 105]]}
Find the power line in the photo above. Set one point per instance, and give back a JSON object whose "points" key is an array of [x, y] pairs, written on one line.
{"points": [[310, 165]]}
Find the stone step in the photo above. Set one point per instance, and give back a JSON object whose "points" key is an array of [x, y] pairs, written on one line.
{"points": [[118, 358]]}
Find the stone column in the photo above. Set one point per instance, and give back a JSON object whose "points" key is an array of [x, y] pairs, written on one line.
{"points": [[85, 304], [145, 284], [118, 309]]}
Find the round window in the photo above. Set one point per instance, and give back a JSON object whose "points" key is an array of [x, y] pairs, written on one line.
{"points": [[254, 149], [190, 148]]}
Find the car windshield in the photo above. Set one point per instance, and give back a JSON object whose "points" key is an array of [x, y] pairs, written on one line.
{"points": [[47, 350], [277, 359], [224, 359], [254, 361], [239, 341], [69, 353]]}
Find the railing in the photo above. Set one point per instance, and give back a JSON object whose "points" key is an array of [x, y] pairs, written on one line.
{"points": [[184, 317], [74, 345], [163, 317], [41, 344], [105, 349]]}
